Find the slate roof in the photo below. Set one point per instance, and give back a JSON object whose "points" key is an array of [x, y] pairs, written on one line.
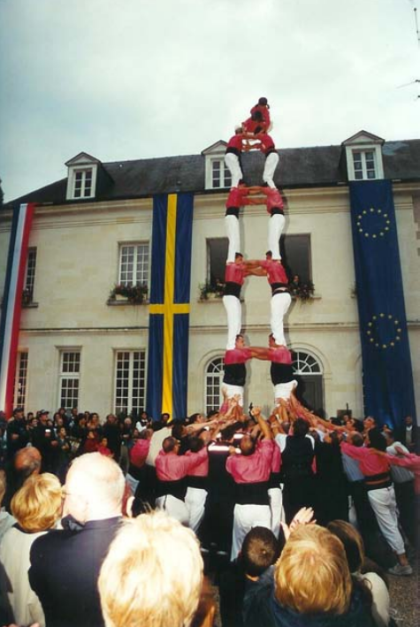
{"points": [[299, 167]]}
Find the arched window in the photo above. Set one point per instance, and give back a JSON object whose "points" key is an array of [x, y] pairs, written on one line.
{"points": [[213, 384], [308, 372]]}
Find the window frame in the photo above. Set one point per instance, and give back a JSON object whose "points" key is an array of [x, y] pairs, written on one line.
{"points": [[219, 375], [225, 176], [69, 375], [364, 170], [135, 281], [209, 260], [140, 390], [283, 245], [76, 169], [21, 374], [30, 273]]}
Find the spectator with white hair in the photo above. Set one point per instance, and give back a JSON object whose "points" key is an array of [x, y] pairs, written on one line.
{"points": [[158, 566], [65, 564]]}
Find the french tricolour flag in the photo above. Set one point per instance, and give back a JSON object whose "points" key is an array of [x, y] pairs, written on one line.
{"points": [[12, 302]]}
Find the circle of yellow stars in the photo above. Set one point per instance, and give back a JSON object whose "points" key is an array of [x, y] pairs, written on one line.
{"points": [[382, 231], [372, 336]]}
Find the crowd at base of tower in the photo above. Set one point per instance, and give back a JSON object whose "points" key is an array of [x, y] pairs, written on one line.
{"points": [[227, 491]]}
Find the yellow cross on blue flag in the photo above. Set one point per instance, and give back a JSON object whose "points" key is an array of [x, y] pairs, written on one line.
{"points": [[167, 376]]}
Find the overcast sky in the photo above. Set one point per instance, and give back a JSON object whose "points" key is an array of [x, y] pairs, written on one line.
{"points": [[130, 79]]}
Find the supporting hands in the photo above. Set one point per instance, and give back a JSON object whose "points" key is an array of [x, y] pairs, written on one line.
{"points": [[303, 517]]}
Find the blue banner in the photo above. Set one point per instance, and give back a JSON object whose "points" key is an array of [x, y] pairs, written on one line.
{"points": [[387, 374], [167, 376]]}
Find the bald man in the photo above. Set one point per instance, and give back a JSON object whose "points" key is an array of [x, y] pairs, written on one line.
{"points": [[65, 564]]}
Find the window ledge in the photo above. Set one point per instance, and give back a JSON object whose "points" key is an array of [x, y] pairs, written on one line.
{"points": [[213, 300], [32, 305], [313, 297], [123, 302]]}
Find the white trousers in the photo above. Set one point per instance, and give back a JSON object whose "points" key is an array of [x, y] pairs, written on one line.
{"points": [[275, 229], [275, 496], [280, 304], [174, 507], [245, 517], [384, 505], [283, 391], [269, 169], [195, 500], [230, 391], [232, 162], [232, 231], [234, 319]]}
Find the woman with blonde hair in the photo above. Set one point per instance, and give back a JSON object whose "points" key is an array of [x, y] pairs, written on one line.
{"points": [[36, 507], [313, 585]]}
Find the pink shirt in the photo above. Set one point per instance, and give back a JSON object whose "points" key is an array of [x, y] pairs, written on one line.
{"points": [[237, 356], [276, 461], [275, 271], [235, 142], [235, 273], [202, 470], [280, 355], [370, 463], [252, 468], [236, 196], [139, 453], [274, 200], [171, 467]]}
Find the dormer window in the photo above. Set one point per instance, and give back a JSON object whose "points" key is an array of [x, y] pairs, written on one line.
{"points": [[82, 183], [364, 157], [82, 177], [221, 176], [217, 174], [364, 165]]}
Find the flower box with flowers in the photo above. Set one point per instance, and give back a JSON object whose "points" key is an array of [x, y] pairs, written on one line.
{"points": [[211, 291], [132, 294]]}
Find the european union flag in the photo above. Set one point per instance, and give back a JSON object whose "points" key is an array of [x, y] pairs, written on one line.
{"points": [[387, 372], [169, 305]]}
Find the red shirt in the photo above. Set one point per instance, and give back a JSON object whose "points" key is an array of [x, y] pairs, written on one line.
{"points": [[275, 271], [274, 200], [171, 467], [202, 470], [370, 463], [280, 355], [236, 196], [252, 468], [267, 144], [276, 461], [235, 273], [237, 356], [235, 142], [139, 453]]}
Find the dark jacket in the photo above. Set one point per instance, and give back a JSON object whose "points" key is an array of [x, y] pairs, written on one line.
{"points": [[64, 573], [358, 615]]}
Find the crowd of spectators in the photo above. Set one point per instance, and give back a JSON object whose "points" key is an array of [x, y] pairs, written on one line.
{"points": [[297, 520]]}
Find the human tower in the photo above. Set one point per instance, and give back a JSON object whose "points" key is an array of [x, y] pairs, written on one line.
{"points": [[253, 134]]}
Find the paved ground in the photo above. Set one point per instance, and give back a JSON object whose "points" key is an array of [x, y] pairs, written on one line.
{"points": [[405, 598]]}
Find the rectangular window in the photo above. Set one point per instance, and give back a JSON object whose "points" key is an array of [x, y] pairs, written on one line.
{"points": [[221, 176], [134, 264], [82, 183], [296, 256], [29, 284], [364, 165], [217, 250], [21, 380], [69, 379], [130, 381]]}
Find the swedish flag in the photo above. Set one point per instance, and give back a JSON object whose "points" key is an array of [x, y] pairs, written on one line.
{"points": [[387, 372], [169, 308]]}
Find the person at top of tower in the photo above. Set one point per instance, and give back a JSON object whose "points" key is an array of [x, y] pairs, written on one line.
{"points": [[233, 157], [235, 274], [259, 121]]}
